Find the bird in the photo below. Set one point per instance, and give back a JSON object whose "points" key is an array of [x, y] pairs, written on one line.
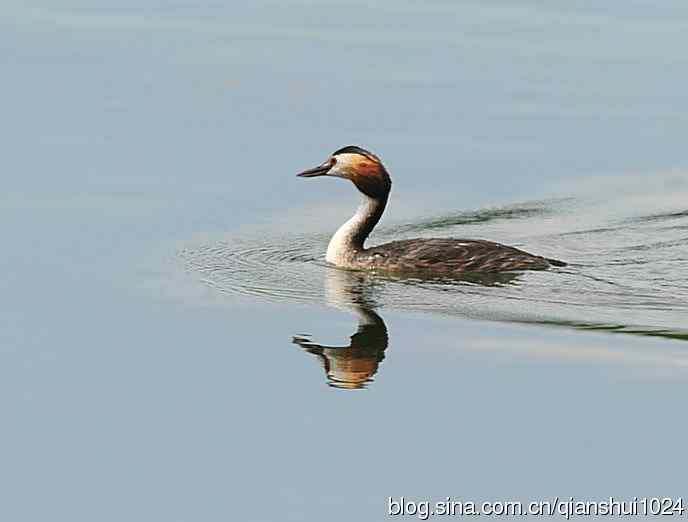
{"points": [[433, 257]]}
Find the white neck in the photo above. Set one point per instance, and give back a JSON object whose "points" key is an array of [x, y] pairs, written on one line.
{"points": [[349, 238]]}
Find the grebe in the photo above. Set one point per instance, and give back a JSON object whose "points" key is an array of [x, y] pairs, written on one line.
{"points": [[435, 257]]}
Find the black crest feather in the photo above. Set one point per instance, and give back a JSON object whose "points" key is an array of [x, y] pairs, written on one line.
{"points": [[353, 149]]}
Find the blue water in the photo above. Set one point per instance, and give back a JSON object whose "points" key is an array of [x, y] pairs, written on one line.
{"points": [[173, 346]]}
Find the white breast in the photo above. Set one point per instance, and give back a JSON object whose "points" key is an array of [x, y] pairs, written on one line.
{"points": [[342, 249]]}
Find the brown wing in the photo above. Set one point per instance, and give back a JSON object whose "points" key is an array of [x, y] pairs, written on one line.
{"points": [[454, 256]]}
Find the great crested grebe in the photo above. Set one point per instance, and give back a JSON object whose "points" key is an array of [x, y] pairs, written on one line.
{"points": [[441, 257]]}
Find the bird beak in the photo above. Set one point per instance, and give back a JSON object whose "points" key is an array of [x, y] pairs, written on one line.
{"points": [[320, 170]]}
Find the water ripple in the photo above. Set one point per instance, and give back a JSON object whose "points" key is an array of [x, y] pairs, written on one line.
{"points": [[629, 278]]}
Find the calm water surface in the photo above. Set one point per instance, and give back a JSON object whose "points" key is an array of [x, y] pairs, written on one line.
{"points": [[173, 345]]}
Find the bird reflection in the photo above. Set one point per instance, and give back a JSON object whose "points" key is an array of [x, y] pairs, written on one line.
{"points": [[351, 366]]}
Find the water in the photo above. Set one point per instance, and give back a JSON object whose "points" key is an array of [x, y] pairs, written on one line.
{"points": [[173, 346]]}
